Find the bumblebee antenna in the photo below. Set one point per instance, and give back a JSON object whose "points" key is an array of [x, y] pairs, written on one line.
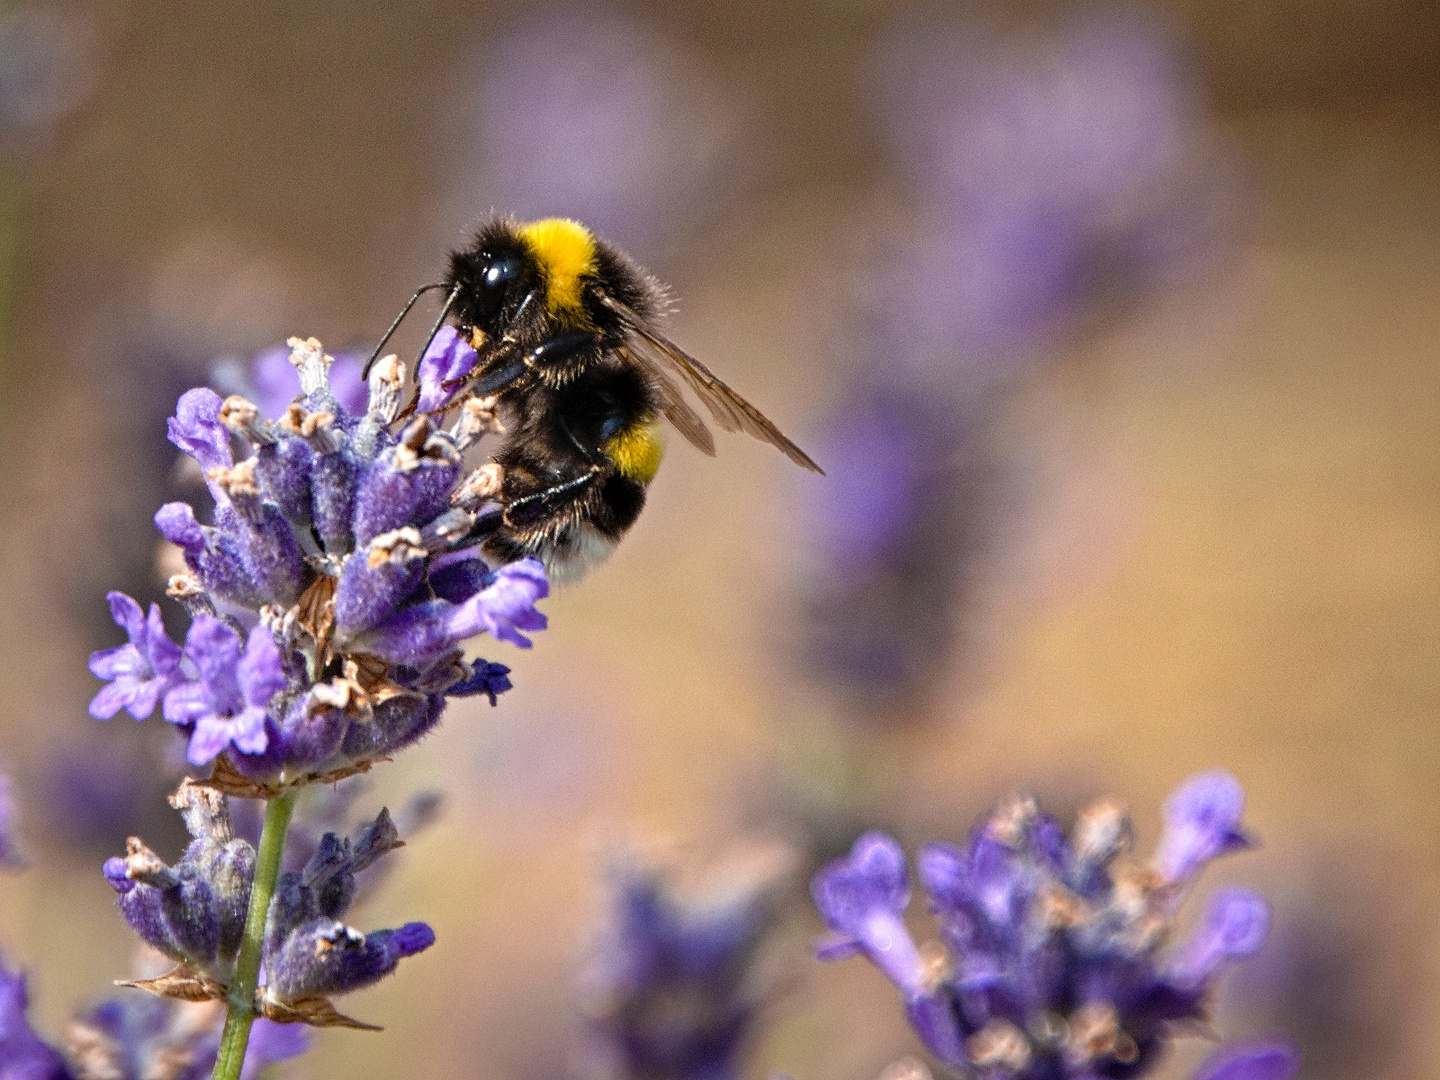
{"points": [[440, 321], [365, 372]]}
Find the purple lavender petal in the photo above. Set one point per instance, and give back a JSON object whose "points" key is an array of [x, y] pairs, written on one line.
{"points": [[506, 606], [936, 1020], [1260, 1060], [448, 358], [196, 429], [228, 704], [1202, 821], [259, 672], [420, 634], [1235, 927], [270, 1044], [214, 649], [863, 896], [114, 871], [176, 522], [210, 738], [138, 672], [486, 678]]}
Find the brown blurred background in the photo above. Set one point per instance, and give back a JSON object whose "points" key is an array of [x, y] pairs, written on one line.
{"points": [[1210, 534]]}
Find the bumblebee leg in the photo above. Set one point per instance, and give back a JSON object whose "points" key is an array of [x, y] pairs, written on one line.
{"points": [[547, 352], [550, 494]]}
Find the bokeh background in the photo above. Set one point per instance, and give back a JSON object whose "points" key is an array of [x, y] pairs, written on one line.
{"points": [[1117, 329]]}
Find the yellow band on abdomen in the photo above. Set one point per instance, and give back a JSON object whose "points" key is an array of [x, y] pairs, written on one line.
{"points": [[636, 451]]}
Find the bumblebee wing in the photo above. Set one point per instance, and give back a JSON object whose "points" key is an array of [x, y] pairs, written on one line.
{"points": [[727, 408], [678, 411]]}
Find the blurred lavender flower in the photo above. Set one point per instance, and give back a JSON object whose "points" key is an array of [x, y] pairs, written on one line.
{"points": [[1051, 963], [194, 912], [587, 113], [1052, 170], [336, 556], [10, 852], [132, 1039], [1342, 956], [1264, 1060], [674, 982], [272, 382], [147, 1038], [887, 541], [23, 1054], [43, 73]]}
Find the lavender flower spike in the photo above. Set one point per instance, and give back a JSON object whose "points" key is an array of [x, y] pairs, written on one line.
{"points": [[676, 980], [147, 1038], [138, 674], [1054, 968], [228, 703], [335, 588]]}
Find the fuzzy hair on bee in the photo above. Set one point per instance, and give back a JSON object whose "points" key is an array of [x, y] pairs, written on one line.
{"points": [[565, 326]]}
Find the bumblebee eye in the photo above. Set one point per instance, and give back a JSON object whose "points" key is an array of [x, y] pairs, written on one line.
{"points": [[501, 271]]}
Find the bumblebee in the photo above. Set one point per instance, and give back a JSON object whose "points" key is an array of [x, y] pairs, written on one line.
{"points": [[565, 328]]}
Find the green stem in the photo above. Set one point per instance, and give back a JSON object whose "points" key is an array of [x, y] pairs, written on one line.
{"points": [[241, 1000]]}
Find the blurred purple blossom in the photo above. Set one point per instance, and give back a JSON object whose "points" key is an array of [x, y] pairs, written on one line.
{"points": [[588, 113], [1341, 958], [23, 1054], [44, 72], [1053, 170], [139, 1037], [272, 382], [887, 542], [11, 857], [1036, 923], [1272, 1060], [673, 985]]}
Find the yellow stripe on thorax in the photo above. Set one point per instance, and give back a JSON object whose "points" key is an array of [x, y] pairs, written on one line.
{"points": [[636, 452], [565, 251]]}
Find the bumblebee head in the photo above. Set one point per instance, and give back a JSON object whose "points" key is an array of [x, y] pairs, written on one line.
{"points": [[507, 262], [494, 275]]}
